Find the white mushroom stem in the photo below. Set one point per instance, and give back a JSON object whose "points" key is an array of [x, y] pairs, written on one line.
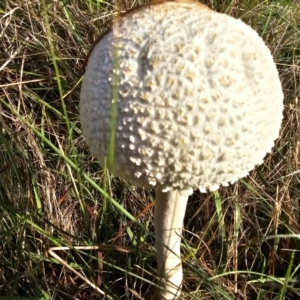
{"points": [[168, 218]]}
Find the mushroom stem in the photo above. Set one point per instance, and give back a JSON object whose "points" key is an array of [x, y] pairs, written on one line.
{"points": [[168, 218]]}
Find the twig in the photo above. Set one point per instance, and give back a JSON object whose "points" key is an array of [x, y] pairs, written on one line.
{"points": [[54, 255]]}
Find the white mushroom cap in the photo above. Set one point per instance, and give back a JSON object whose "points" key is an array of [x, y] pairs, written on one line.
{"points": [[199, 98]]}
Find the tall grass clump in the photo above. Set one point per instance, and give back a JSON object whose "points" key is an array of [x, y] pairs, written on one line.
{"points": [[70, 230]]}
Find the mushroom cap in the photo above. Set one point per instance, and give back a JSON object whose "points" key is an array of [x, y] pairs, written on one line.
{"points": [[199, 100]]}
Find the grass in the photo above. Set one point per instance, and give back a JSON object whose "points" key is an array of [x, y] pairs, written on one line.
{"points": [[69, 230]]}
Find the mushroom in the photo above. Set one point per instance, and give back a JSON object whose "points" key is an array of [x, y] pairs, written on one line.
{"points": [[184, 98]]}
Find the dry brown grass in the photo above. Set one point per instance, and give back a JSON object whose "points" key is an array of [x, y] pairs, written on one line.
{"points": [[242, 251]]}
